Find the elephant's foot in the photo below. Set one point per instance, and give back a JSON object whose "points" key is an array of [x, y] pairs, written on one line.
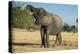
{"points": [[58, 44], [45, 46]]}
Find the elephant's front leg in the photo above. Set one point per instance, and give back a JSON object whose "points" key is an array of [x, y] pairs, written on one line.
{"points": [[47, 38], [42, 38]]}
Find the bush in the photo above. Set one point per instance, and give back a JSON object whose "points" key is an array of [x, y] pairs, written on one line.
{"points": [[20, 18]]}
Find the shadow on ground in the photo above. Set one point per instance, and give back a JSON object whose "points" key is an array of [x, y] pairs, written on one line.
{"points": [[23, 44]]}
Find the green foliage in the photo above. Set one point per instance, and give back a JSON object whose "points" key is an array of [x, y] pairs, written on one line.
{"points": [[20, 18], [69, 28]]}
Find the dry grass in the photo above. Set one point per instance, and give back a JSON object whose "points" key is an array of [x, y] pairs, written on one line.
{"points": [[24, 41]]}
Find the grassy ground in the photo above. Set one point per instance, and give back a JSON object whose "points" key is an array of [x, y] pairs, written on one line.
{"points": [[24, 41]]}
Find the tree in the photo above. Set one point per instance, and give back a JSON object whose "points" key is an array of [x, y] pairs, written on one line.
{"points": [[20, 18], [66, 27], [69, 28]]}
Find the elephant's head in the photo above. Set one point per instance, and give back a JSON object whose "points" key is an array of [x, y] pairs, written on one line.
{"points": [[37, 13]]}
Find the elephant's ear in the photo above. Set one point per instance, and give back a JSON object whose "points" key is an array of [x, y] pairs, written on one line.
{"points": [[42, 12]]}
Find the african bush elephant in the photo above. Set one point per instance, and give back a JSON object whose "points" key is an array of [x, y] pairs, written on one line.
{"points": [[50, 25]]}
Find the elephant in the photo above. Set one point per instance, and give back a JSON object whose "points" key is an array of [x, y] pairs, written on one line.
{"points": [[51, 24]]}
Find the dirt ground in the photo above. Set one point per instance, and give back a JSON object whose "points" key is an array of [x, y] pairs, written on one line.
{"points": [[24, 41]]}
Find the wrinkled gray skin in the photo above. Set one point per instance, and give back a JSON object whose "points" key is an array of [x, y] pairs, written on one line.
{"points": [[50, 25]]}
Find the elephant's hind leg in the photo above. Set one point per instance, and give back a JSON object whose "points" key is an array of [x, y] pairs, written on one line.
{"points": [[58, 39]]}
